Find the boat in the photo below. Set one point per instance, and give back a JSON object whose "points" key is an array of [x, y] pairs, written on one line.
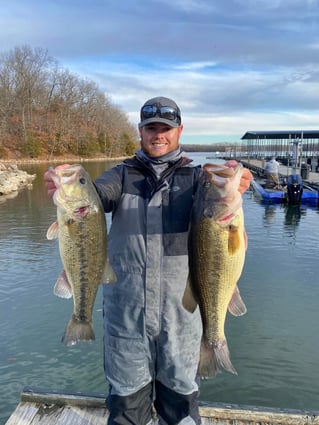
{"points": [[47, 407], [291, 191]]}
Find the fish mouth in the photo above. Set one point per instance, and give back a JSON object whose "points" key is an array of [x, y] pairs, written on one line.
{"points": [[222, 184], [66, 175]]}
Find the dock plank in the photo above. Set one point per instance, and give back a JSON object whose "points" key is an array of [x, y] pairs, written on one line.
{"points": [[45, 407], [23, 415], [28, 413]]}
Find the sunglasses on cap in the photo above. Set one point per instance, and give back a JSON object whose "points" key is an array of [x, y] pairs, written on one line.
{"points": [[166, 112]]}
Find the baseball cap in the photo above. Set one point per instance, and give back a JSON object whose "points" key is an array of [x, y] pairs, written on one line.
{"points": [[160, 109]]}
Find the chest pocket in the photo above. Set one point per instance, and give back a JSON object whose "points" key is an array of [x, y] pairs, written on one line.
{"points": [[177, 206]]}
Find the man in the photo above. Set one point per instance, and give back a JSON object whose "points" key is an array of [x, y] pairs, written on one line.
{"points": [[272, 169], [151, 343]]}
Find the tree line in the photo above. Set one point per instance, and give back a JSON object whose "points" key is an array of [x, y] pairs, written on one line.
{"points": [[213, 147], [47, 111]]}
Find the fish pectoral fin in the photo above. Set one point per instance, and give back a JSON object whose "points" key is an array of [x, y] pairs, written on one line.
{"points": [[236, 305], [108, 276], [189, 302], [246, 239], [62, 287], [53, 231]]}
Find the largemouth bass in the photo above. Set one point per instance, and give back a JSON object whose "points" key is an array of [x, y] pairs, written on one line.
{"points": [[217, 254], [81, 230]]}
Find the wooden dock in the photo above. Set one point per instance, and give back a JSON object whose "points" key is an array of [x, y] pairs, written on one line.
{"points": [[45, 407], [257, 167]]}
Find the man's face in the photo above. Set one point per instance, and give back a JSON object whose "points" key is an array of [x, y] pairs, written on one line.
{"points": [[158, 139]]}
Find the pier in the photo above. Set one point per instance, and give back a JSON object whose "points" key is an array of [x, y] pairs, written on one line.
{"points": [[256, 166], [45, 407], [296, 150]]}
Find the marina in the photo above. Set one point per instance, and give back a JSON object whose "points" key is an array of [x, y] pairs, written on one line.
{"points": [[296, 150], [308, 187], [297, 154], [291, 147]]}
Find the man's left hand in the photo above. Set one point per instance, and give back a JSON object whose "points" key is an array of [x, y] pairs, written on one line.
{"points": [[246, 176]]}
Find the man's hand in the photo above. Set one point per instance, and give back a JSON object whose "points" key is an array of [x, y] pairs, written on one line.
{"points": [[48, 181], [246, 176]]}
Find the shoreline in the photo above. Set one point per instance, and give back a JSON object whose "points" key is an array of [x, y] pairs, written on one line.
{"points": [[13, 179], [65, 160]]}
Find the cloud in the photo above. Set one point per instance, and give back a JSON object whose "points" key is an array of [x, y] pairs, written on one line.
{"points": [[231, 65]]}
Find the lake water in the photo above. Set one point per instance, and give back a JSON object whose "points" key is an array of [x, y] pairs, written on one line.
{"points": [[274, 347]]}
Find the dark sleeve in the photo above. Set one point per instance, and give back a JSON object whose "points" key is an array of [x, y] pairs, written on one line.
{"points": [[198, 174], [109, 187]]}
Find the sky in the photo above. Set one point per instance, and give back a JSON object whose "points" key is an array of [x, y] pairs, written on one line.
{"points": [[231, 65]]}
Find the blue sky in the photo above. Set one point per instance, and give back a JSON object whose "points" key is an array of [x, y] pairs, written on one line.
{"points": [[231, 65]]}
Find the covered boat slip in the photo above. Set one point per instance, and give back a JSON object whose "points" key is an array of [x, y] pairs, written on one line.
{"points": [[45, 407], [280, 143], [297, 149]]}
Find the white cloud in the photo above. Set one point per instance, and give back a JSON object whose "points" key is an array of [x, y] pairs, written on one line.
{"points": [[195, 66], [201, 6], [231, 65]]}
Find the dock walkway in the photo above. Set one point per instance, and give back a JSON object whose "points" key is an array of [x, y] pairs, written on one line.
{"points": [[255, 164], [44, 407]]}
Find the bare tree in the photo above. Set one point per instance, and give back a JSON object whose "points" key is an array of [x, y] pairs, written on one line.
{"points": [[56, 110], [29, 74]]}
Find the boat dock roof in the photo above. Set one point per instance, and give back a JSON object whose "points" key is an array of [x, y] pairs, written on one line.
{"points": [[281, 134], [46, 407]]}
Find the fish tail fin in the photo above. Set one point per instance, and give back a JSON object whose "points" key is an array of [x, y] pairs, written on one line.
{"points": [[78, 330], [215, 358], [207, 363], [223, 359]]}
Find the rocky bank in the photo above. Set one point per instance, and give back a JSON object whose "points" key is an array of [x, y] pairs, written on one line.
{"points": [[12, 179]]}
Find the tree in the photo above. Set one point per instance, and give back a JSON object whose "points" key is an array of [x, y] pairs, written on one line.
{"points": [[55, 111], [29, 71]]}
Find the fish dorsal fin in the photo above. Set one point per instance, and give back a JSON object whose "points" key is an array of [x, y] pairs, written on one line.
{"points": [[108, 275], [62, 287], [189, 302], [53, 231], [236, 305]]}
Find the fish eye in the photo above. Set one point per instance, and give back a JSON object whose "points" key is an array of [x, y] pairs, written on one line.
{"points": [[208, 213], [82, 180], [206, 184]]}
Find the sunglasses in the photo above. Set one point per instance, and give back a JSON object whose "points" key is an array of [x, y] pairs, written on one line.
{"points": [[166, 112]]}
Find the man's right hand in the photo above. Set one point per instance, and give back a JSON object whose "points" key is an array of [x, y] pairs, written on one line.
{"points": [[48, 181]]}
